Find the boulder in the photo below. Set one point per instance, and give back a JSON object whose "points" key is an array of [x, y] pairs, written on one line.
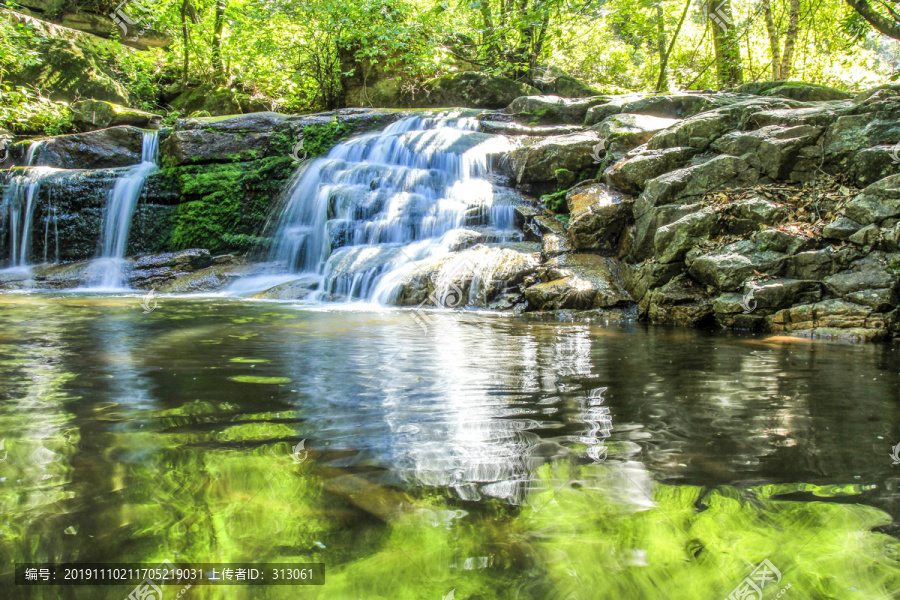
{"points": [[625, 131], [772, 150], [851, 134], [832, 318], [679, 302], [841, 228], [714, 174], [819, 264], [155, 270], [870, 281], [536, 110], [648, 221], [729, 268], [795, 90], [579, 281], [679, 105], [539, 161], [597, 216], [551, 80], [101, 149], [649, 275], [98, 114], [673, 241], [876, 203], [701, 130], [215, 100], [474, 90], [753, 213], [820, 115], [784, 241], [632, 172], [597, 114]]}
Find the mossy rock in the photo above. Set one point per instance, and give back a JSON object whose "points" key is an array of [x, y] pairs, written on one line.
{"points": [[97, 114], [473, 90], [215, 100], [795, 90]]}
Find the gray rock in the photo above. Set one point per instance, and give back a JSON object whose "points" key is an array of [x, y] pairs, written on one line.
{"points": [[625, 131], [717, 173], [728, 269], [101, 149], [877, 202], [673, 241], [771, 150], [598, 215], [631, 173], [535, 110], [841, 229], [539, 161]]}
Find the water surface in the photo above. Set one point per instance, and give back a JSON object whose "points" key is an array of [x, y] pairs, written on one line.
{"points": [[495, 456]]}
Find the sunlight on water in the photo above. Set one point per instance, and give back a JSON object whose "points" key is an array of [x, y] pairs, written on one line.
{"points": [[495, 456]]}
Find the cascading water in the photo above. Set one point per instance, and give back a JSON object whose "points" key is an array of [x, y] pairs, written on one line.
{"points": [[357, 221], [117, 215], [18, 205]]}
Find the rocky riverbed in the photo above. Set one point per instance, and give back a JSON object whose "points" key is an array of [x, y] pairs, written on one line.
{"points": [[773, 207]]}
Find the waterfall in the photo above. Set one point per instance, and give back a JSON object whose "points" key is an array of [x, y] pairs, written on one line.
{"points": [[117, 215], [18, 205], [358, 220]]}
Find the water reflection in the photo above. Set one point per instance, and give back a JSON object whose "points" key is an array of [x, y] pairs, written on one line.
{"points": [[511, 449]]}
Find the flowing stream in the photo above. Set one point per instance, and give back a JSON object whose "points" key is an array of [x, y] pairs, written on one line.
{"points": [[18, 206], [120, 205], [355, 222]]}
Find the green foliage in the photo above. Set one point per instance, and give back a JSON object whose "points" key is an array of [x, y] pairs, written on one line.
{"points": [[25, 111], [556, 201]]}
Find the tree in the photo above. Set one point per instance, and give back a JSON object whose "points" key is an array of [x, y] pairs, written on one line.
{"points": [[881, 16], [216, 44], [782, 60], [728, 53]]}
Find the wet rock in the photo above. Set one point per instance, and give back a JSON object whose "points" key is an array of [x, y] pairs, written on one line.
{"points": [[679, 302], [297, 289], [579, 281], [632, 172], [772, 150], [554, 244], [728, 269], [649, 275], [624, 131], [835, 317], [539, 161], [102, 149], [155, 270], [210, 279], [597, 216], [535, 110], [97, 114]]}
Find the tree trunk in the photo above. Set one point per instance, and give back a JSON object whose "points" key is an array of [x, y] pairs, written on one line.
{"points": [[663, 83], [774, 40], [218, 26], [728, 53], [185, 41], [790, 40], [664, 63], [889, 27]]}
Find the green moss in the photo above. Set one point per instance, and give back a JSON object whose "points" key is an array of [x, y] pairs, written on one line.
{"points": [[556, 201], [565, 178], [319, 139], [224, 206]]}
